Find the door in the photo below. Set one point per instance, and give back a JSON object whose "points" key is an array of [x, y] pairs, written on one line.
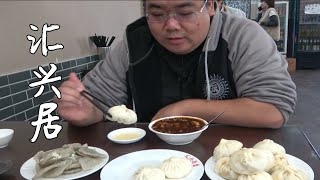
{"points": [[308, 42]]}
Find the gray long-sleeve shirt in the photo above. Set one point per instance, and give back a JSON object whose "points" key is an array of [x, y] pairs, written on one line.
{"points": [[258, 70]]}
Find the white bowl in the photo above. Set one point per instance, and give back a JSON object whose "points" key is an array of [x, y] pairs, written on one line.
{"points": [[5, 137], [178, 139], [139, 133]]}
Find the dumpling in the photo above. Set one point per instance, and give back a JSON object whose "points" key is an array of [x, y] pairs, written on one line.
{"points": [[71, 171], [53, 170], [251, 161], [280, 162], [176, 167], [122, 114], [85, 151], [223, 169], [226, 148], [54, 156], [147, 173], [89, 162], [270, 145], [259, 176], [74, 146], [75, 165], [37, 158], [289, 173]]}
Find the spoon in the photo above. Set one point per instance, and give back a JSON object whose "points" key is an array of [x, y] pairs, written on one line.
{"points": [[213, 119], [5, 166]]}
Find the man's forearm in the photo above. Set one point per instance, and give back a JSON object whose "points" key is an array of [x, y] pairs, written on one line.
{"points": [[241, 112], [97, 116], [94, 116]]}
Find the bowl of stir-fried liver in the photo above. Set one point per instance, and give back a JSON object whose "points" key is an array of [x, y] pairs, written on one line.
{"points": [[178, 130]]}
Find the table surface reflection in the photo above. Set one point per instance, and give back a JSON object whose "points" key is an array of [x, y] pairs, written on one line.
{"points": [[21, 149]]}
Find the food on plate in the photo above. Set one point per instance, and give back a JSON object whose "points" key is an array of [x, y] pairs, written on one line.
{"points": [[176, 167], [74, 146], [270, 145], [126, 136], [223, 169], [267, 160], [87, 152], [172, 168], [53, 170], [251, 161], [122, 114], [289, 173], [226, 148], [69, 159], [259, 176], [178, 125], [149, 173], [280, 161]]}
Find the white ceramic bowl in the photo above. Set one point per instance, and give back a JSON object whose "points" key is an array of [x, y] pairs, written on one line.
{"points": [[139, 133], [5, 137], [178, 139]]}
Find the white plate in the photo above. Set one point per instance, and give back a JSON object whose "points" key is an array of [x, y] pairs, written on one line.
{"points": [[114, 133], [296, 162], [28, 169], [124, 167]]}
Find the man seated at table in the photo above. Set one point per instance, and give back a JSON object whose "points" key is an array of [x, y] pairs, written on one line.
{"points": [[186, 58]]}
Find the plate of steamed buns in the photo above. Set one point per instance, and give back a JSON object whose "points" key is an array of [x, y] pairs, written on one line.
{"points": [[155, 164], [266, 160]]}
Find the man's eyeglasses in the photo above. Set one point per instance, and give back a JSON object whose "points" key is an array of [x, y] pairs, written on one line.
{"points": [[181, 17]]}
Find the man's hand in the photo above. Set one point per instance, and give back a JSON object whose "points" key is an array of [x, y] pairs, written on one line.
{"points": [[74, 107], [176, 109]]}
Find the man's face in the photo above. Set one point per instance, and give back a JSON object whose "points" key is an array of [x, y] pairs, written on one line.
{"points": [[185, 28]]}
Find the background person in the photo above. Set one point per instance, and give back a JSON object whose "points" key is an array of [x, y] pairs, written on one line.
{"points": [[269, 19], [186, 58]]}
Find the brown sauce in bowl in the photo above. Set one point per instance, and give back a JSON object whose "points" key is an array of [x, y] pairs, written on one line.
{"points": [[178, 125]]}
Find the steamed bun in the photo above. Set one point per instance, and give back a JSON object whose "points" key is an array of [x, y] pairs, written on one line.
{"points": [[176, 167], [259, 176], [251, 161], [226, 148], [289, 173], [280, 162], [223, 169], [147, 173], [270, 145], [122, 114]]}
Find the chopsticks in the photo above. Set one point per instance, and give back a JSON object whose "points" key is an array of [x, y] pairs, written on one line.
{"points": [[85, 93], [102, 41], [111, 41]]}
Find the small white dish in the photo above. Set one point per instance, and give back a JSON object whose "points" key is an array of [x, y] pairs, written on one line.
{"points": [[5, 137], [126, 135]]}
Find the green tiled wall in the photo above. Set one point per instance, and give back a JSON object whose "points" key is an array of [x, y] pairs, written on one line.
{"points": [[16, 97]]}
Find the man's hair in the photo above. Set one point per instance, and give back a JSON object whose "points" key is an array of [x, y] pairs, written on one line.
{"points": [[269, 2], [144, 4]]}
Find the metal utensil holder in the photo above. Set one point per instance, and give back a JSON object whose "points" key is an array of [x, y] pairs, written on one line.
{"points": [[102, 52]]}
